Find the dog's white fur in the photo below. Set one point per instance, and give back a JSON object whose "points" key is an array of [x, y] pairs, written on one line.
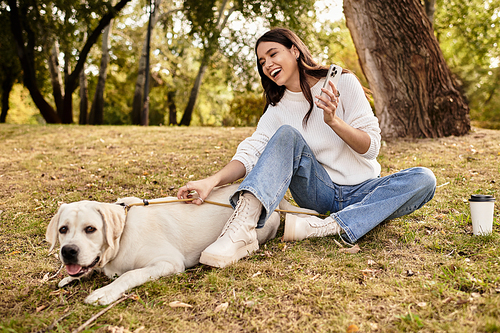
{"points": [[145, 244]]}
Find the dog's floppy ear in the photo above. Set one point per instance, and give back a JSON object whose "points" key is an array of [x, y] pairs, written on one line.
{"points": [[113, 217], [51, 233]]}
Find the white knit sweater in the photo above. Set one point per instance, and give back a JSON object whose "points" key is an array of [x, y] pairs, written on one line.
{"points": [[343, 164]]}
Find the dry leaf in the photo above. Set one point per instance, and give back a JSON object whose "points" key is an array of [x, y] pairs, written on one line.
{"points": [[178, 304], [351, 250], [221, 307], [422, 304]]}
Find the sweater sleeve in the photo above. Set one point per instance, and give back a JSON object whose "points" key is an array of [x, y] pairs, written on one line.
{"points": [[359, 113]]}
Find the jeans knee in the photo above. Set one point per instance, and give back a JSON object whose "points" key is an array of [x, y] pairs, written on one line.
{"points": [[287, 130], [426, 179]]}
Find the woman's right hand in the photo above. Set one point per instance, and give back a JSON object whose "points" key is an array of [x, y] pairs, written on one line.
{"points": [[203, 187]]}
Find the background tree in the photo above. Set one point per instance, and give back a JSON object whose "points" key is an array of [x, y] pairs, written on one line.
{"points": [[10, 70], [208, 25], [414, 92], [32, 24]]}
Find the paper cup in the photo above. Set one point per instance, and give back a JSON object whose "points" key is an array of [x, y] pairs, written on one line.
{"points": [[481, 212]]}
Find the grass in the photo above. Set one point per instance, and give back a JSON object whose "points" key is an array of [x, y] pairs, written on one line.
{"points": [[425, 272]]}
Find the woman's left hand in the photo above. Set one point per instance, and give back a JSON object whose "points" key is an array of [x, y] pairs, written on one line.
{"points": [[329, 102]]}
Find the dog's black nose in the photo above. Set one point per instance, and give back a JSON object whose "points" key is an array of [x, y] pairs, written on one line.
{"points": [[70, 254]]}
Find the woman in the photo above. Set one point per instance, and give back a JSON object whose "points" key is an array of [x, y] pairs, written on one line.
{"points": [[323, 148]]}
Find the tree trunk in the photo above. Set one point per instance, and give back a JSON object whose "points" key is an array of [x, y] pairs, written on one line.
{"points": [[213, 45], [413, 89], [172, 110], [84, 98], [97, 111], [7, 85], [55, 77], [188, 112], [138, 104]]}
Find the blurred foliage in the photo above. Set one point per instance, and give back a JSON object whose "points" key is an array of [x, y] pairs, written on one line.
{"points": [[468, 32]]}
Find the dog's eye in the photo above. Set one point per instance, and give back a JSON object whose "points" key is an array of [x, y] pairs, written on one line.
{"points": [[90, 229], [63, 230]]}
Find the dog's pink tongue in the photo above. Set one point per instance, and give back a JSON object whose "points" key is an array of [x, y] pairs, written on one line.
{"points": [[73, 269]]}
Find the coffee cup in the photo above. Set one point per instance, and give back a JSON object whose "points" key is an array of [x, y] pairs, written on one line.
{"points": [[481, 211]]}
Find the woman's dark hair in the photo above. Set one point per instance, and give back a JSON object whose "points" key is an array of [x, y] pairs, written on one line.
{"points": [[307, 67]]}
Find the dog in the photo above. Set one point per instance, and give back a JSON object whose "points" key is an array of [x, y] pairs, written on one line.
{"points": [[143, 244]]}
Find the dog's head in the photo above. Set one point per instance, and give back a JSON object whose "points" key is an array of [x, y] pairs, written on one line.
{"points": [[89, 234]]}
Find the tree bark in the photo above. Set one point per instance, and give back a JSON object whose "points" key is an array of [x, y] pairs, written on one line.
{"points": [[96, 116], [413, 89]]}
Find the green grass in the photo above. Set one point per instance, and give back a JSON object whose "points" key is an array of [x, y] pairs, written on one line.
{"points": [[425, 272]]}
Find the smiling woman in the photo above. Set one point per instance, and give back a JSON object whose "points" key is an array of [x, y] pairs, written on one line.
{"points": [[324, 151]]}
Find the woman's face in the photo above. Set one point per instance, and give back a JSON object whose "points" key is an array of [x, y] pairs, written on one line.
{"points": [[280, 64]]}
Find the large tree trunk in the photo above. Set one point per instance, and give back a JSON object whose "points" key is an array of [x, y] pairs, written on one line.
{"points": [[97, 111], [414, 91]]}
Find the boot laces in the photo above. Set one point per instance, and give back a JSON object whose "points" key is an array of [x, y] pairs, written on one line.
{"points": [[239, 210], [324, 229]]}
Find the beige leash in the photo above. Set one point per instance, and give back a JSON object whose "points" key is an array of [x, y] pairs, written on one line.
{"points": [[146, 202]]}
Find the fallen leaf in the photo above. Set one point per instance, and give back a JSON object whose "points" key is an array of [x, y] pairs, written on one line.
{"points": [[447, 300], [422, 304], [221, 307], [351, 250], [178, 304]]}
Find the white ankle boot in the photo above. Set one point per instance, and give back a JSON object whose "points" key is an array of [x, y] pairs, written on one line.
{"points": [[238, 238], [299, 228]]}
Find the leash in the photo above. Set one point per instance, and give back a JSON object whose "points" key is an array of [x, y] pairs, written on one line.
{"points": [[146, 202]]}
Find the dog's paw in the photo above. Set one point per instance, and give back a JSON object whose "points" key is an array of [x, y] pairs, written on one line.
{"points": [[103, 296]]}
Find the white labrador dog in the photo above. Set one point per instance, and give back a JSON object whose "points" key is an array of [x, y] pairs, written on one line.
{"points": [[142, 245]]}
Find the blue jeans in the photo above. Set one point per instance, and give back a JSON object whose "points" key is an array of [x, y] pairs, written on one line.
{"points": [[288, 162]]}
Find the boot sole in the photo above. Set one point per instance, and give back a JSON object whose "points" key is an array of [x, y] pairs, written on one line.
{"points": [[223, 261], [290, 223]]}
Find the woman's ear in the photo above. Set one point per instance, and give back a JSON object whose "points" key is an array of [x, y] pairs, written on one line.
{"points": [[295, 51]]}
